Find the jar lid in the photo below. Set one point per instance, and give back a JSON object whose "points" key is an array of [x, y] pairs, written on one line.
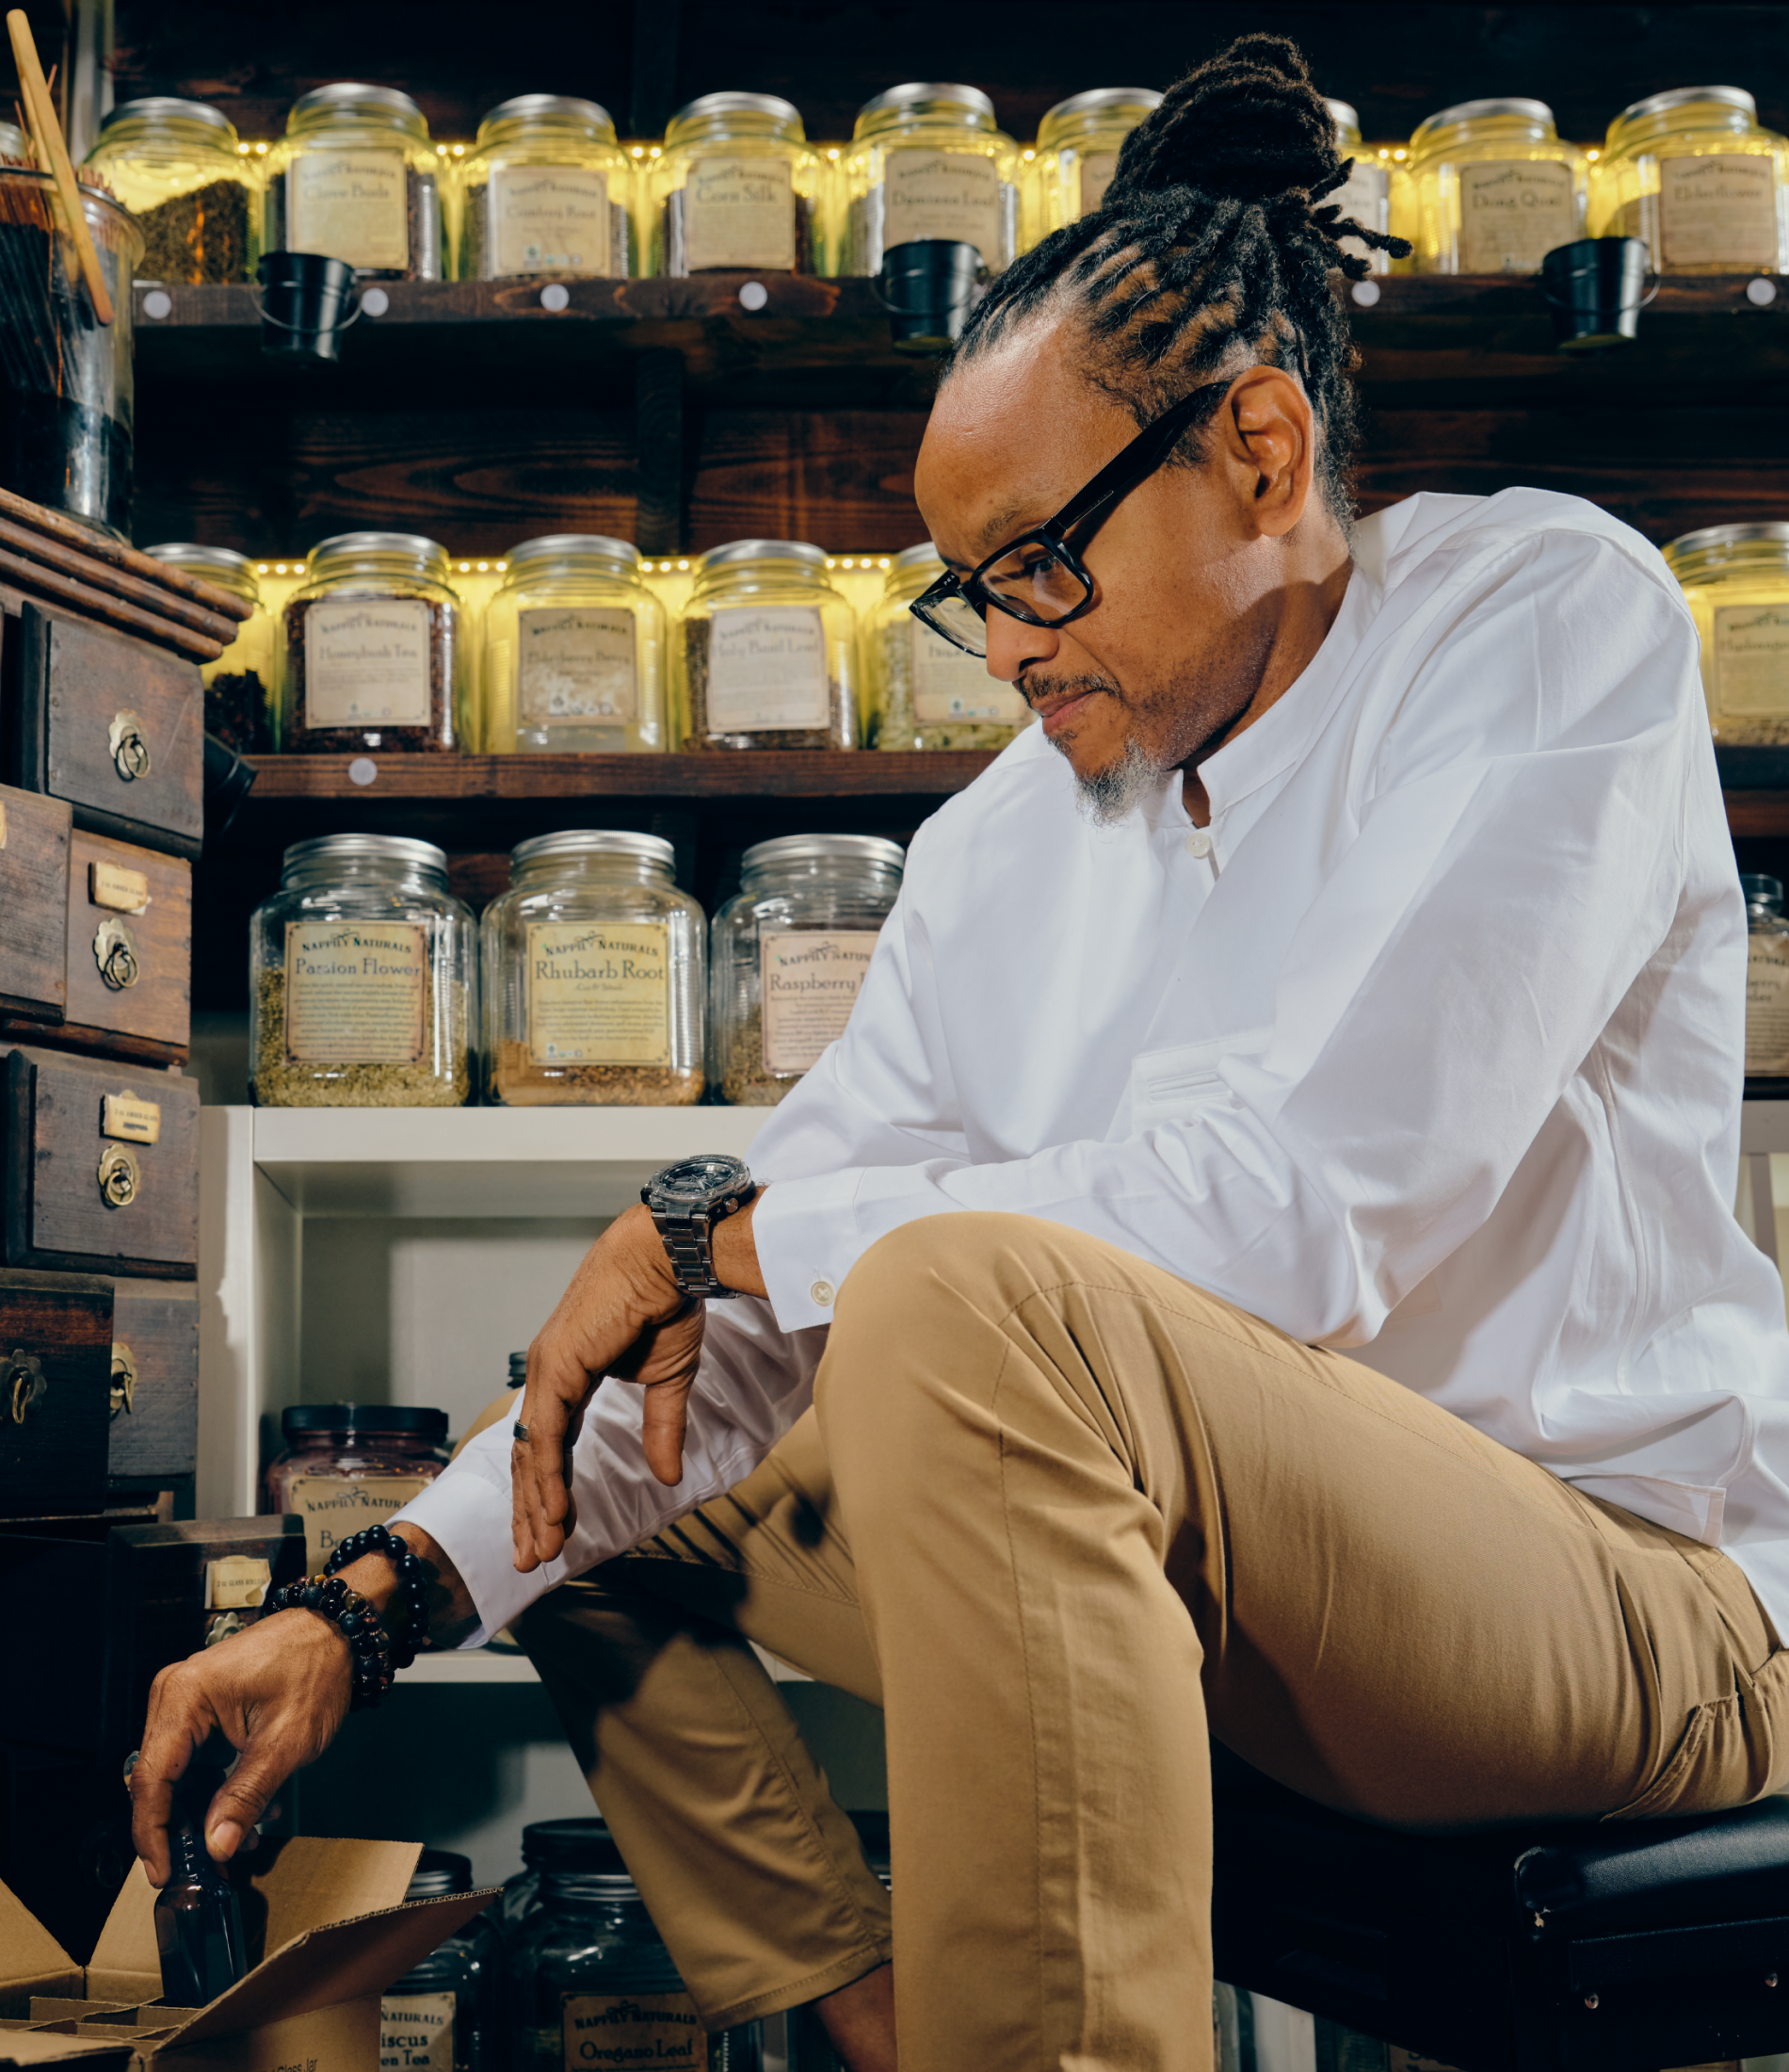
{"points": [[1095, 101], [1484, 111], [167, 108], [570, 1845], [708, 105], [916, 556], [1761, 890], [549, 108], [388, 1417], [554, 547], [344, 97], [829, 849], [438, 1873], [651, 849], [426, 554], [187, 554], [761, 550], [972, 98], [13, 141], [383, 849], [1683, 97], [1725, 536], [1344, 115]]}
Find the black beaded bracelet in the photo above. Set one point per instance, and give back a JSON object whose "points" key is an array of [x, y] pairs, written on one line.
{"points": [[380, 1539], [368, 1645]]}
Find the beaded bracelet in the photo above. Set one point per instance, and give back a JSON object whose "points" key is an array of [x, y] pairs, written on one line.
{"points": [[378, 1539], [369, 1646]]}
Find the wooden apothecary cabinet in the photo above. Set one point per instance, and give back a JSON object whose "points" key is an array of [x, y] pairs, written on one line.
{"points": [[55, 1366], [34, 892]]}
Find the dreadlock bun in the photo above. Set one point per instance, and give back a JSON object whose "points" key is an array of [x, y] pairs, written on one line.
{"points": [[1246, 125]]}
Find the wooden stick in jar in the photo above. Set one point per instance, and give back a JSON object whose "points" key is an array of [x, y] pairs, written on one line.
{"points": [[46, 134]]}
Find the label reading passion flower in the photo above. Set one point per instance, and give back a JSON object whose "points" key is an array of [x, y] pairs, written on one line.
{"points": [[577, 665], [334, 1506], [951, 684], [740, 212], [766, 670], [808, 983], [352, 205], [366, 662], [1751, 658], [1719, 209], [549, 219], [354, 993], [631, 2029], [599, 993], [950, 194], [416, 2032], [1512, 213]]}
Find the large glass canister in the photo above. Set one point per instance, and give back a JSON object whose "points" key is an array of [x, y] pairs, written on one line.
{"points": [[594, 977], [573, 650], [923, 691], [545, 190], [371, 649], [1496, 188], [356, 177], [766, 650], [1367, 197], [351, 1464], [361, 978], [67, 400], [1736, 580], [239, 684], [1766, 979], [737, 185], [928, 161], [1078, 143], [176, 167], [1693, 173], [446, 2014]]}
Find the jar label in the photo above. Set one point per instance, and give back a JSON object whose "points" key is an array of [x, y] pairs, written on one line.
{"points": [[1767, 1005], [599, 993], [1719, 209], [549, 219], [366, 662], [1367, 197], [948, 194], [631, 2028], [807, 984], [335, 1506], [766, 670], [577, 665], [740, 212], [1097, 168], [1751, 658], [1512, 213], [416, 2032], [354, 991], [951, 684], [352, 205]]}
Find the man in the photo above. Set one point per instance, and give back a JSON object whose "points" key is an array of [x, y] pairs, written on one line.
{"points": [[1262, 1251]]}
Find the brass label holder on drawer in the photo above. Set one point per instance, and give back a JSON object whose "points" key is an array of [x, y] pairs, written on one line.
{"points": [[123, 1116], [111, 885], [120, 1178], [130, 751], [115, 952], [124, 1378], [21, 1382]]}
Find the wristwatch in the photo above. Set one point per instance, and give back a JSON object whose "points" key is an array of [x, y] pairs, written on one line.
{"points": [[687, 1200]]}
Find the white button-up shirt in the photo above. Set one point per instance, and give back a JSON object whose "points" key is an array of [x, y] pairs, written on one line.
{"points": [[1429, 1049]]}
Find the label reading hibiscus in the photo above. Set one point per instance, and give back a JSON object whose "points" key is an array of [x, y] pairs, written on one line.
{"points": [[416, 2032], [809, 981], [577, 665], [740, 212], [1751, 661], [1512, 213], [637, 2030], [952, 195], [599, 993], [352, 205], [354, 991], [366, 662], [549, 219]]}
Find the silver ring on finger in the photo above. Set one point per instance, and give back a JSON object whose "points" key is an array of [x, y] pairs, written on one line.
{"points": [[519, 1430]]}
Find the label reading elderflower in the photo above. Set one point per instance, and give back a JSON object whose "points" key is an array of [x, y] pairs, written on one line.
{"points": [[1719, 209], [599, 993]]}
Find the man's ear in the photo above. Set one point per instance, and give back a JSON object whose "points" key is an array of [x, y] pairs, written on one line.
{"points": [[1267, 427]]}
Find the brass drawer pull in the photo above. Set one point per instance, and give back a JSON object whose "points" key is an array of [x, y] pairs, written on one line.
{"points": [[120, 1178], [21, 1382], [123, 1379], [130, 751], [115, 953]]}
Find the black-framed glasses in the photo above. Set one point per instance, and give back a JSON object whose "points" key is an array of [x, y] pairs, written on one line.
{"points": [[1040, 577]]}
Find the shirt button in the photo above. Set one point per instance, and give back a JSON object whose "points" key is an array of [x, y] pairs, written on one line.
{"points": [[821, 1294], [1199, 842]]}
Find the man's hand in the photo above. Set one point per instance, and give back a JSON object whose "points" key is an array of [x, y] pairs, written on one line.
{"points": [[624, 1315]]}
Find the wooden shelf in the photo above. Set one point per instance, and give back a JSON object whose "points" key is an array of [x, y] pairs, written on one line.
{"points": [[752, 774]]}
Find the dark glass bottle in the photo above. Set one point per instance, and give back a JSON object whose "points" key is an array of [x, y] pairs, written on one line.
{"points": [[198, 1919], [446, 2016]]}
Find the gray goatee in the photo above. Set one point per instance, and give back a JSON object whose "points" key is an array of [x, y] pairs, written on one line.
{"points": [[1111, 795]]}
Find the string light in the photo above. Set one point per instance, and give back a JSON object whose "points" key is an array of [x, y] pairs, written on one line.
{"points": [[1400, 153], [1029, 156], [833, 150], [681, 565]]}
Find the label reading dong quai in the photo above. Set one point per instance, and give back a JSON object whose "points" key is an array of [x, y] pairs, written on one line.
{"points": [[1512, 213], [599, 993], [416, 2032], [642, 2029], [809, 981], [354, 991]]}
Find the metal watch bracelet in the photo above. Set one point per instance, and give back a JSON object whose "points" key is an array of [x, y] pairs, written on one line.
{"points": [[688, 1239]]}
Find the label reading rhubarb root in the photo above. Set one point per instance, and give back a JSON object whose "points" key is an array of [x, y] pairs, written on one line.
{"points": [[599, 993]]}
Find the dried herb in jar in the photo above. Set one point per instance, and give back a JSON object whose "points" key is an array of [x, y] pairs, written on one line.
{"points": [[897, 723], [282, 1081], [521, 1083], [236, 711], [698, 641], [199, 237], [748, 1082]]}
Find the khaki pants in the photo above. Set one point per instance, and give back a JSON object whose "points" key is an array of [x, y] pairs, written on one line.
{"points": [[1063, 1515]]}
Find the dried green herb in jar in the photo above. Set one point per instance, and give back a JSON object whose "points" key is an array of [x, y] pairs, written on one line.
{"points": [[283, 1081], [896, 724], [198, 237]]}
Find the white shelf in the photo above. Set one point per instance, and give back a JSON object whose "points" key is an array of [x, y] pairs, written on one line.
{"points": [[470, 1665]]}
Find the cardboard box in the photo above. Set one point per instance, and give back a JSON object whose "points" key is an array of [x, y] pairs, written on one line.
{"points": [[336, 1930]]}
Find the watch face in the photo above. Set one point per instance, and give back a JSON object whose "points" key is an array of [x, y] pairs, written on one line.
{"points": [[695, 1183]]}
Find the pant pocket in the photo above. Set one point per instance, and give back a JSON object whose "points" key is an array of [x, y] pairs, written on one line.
{"points": [[1733, 1751]]}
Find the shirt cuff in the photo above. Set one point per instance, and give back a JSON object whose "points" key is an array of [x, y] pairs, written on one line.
{"points": [[806, 1235]]}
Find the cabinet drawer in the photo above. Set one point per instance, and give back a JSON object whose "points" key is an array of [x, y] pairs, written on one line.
{"points": [[55, 1378], [33, 898], [154, 1397], [102, 1169], [113, 725], [129, 949]]}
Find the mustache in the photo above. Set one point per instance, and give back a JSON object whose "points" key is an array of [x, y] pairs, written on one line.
{"points": [[1031, 686]]}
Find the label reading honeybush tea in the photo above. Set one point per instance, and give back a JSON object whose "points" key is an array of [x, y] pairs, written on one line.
{"points": [[1097, 168], [350, 204], [1751, 659], [766, 670], [354, 991], [366, 662], [549, 219], [1718, 210], [1512, 213], [950, 194], [951, 684], [335, 1506], [576, 665], [740, 212], [599, 993], [808, 983], [416, 2032], [643, 2029]]}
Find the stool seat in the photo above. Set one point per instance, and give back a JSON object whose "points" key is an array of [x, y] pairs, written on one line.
{"points": [[1601, 1947]]}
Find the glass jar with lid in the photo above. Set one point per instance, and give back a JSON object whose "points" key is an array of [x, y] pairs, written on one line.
{"points": [[1736, 581], [361, 978], [928, 161], [1766, 979], [790, 950], [594, 977], [445, 2014], [176, 166], [1366, 196], [766, 650], [371, 653], [923, 691], [1693, 173], [738, 185], [573, 650], [351, 1464], [356, 177], [549, 1845], [1078, 143], [239, 684], [1496, 188], [545, 188]]}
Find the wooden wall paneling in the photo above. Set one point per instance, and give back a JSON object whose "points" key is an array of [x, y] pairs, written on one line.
{"points": [[842, 479], [659, 435]]}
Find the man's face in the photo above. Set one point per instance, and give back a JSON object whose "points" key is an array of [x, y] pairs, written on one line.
{"points": [[1173, 647]]}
